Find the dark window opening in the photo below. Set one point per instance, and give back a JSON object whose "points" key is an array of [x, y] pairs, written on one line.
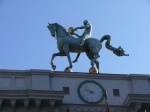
{"points": [[66, 90], [116, 92]]}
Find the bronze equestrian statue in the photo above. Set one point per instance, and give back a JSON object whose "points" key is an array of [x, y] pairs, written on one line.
{"points": [[66, 43]]}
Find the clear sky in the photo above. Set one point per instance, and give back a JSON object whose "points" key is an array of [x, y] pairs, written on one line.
{"points": [[26, 43]]}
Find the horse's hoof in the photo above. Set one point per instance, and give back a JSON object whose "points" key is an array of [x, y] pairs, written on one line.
{"points": [[68, 70], [74, 61], [54, 67], [93, 70]]}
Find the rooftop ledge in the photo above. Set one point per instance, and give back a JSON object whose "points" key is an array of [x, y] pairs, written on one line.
{"points": [[73, 74]]}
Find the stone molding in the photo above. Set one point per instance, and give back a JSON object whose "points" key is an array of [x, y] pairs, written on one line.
{"points": [[136, 98], [25, 97], [6, 72], [31, 94]]}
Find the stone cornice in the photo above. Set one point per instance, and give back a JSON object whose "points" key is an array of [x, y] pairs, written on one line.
{"points": [[31, 94], [87, 75], [100, 76], [140, 76], [25, 72], [74, 74], [136, 98]]}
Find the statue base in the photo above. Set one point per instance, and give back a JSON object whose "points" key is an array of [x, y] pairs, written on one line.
{"points": [[68, 70], [93, 70]]}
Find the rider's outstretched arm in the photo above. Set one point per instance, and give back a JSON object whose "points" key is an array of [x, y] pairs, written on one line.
{"points": [[82, 27]]}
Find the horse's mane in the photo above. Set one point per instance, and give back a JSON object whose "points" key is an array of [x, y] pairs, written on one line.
{"points": [[61, 27]]}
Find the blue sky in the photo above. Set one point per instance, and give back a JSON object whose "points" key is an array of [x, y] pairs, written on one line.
{"points": [[26, 42]]}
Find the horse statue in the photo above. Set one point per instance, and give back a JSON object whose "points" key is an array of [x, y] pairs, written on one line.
{"points": [[66, 43]]}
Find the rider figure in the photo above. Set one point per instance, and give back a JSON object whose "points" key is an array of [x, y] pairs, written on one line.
{"points": [[87, 32]]}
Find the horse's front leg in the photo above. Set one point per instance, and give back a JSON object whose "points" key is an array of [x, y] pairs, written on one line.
{"points": [[66, 49], [53, 56]]}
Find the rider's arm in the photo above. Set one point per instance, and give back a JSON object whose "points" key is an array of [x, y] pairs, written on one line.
{"points": [[83, 27]]}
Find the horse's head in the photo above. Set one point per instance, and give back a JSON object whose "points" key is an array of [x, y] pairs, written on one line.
{"points": [[56, 28], [52, 28]]}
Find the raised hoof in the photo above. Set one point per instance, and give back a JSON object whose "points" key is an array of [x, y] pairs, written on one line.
{"points": [[54, 67], [74, 61]]}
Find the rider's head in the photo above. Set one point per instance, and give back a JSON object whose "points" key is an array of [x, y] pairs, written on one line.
{"points": [[85, 22]]}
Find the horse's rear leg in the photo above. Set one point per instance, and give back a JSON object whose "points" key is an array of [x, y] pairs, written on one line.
{"points": [[91, 57], [95, 58], [53, 56], [97, 65]]}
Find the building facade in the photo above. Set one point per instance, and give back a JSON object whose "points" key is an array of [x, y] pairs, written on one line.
{"points": [[54, 91]]}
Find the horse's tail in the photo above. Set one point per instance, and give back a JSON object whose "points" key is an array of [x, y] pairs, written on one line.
{"points": [[105, 37], [107, 44], [118, 51]]}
